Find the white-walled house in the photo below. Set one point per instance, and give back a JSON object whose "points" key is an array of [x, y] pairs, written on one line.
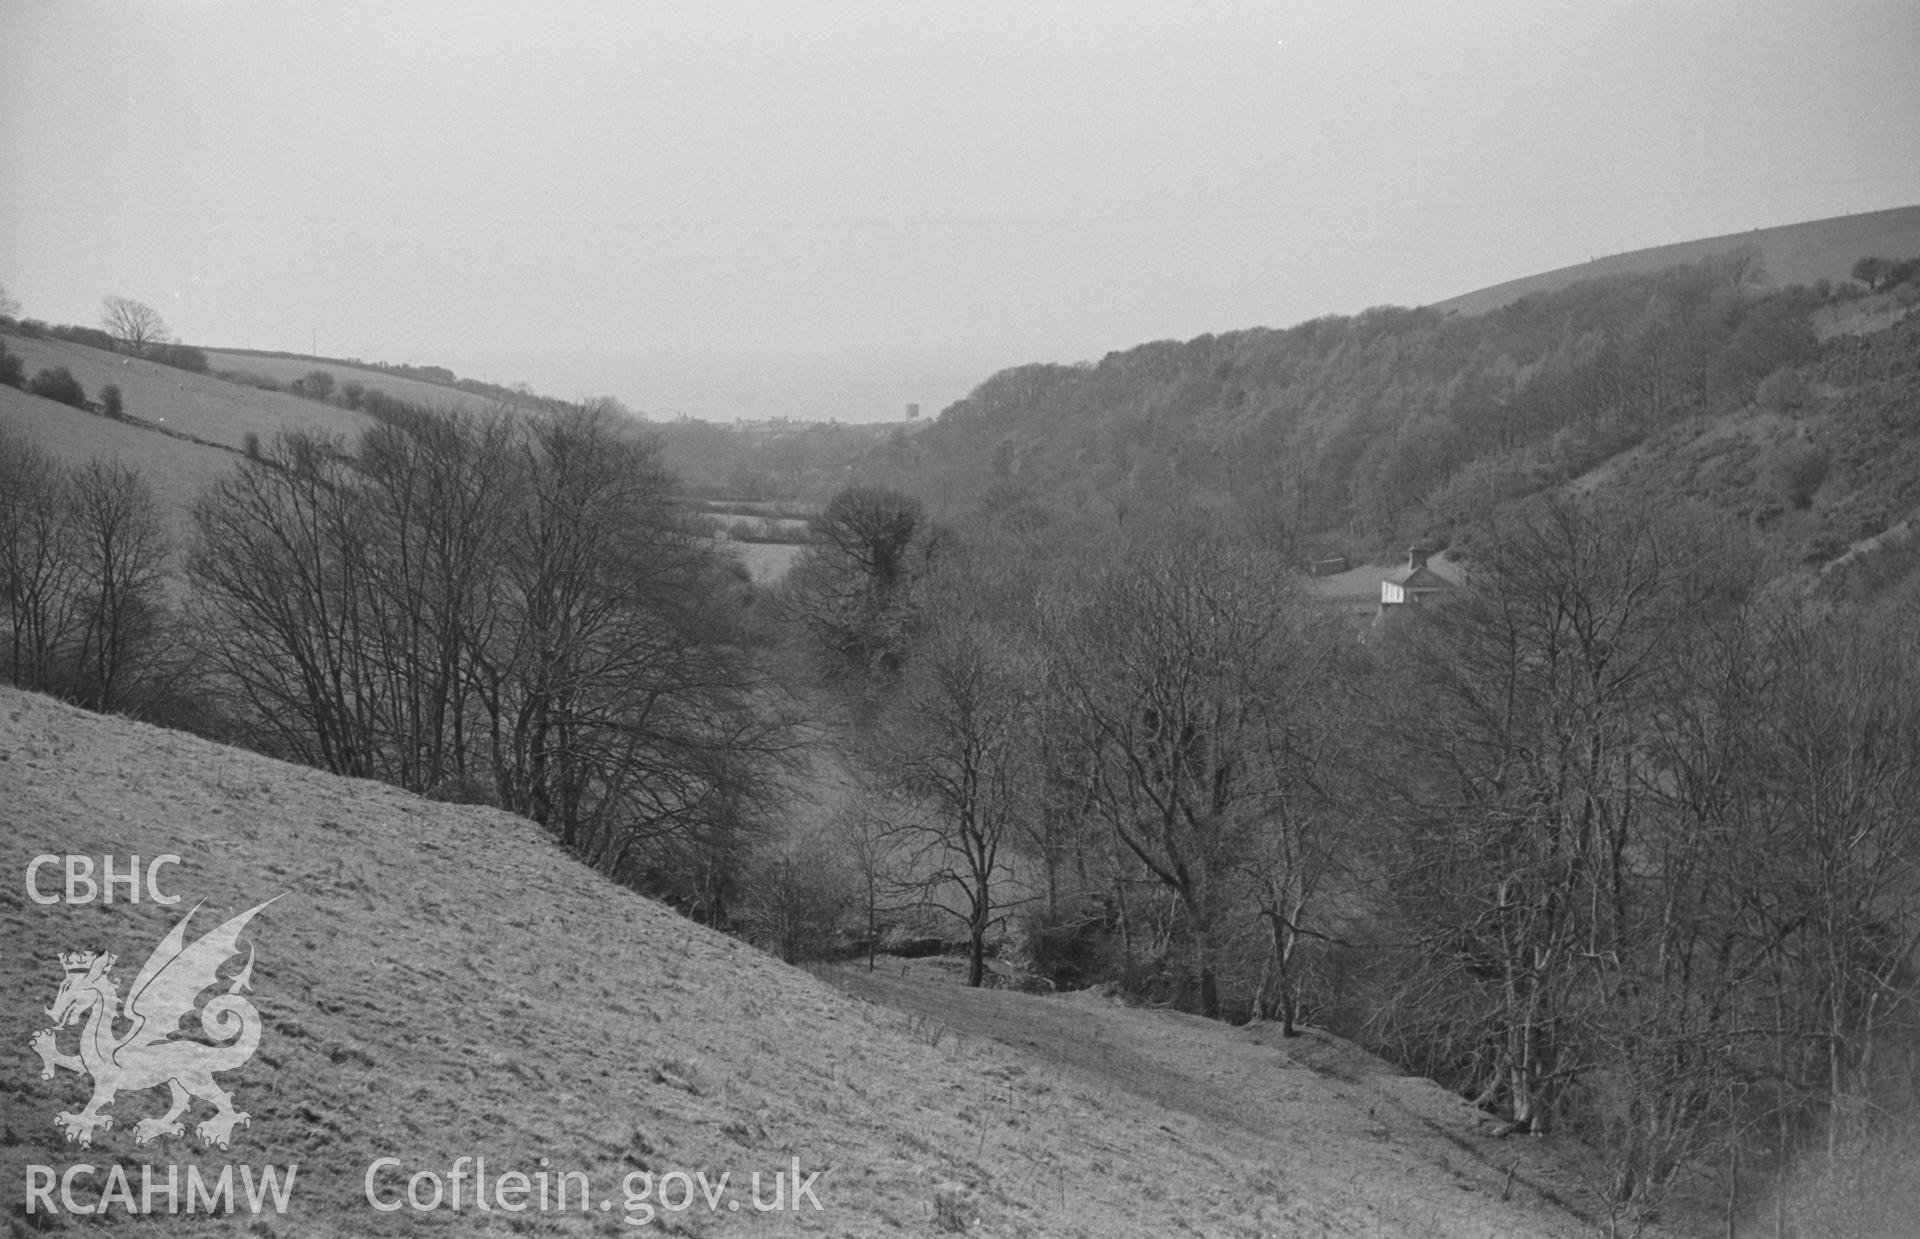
{"points": [[1412, 584]]}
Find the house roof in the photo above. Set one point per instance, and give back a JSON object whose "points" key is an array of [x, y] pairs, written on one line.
{"points": [[1418, 577]]}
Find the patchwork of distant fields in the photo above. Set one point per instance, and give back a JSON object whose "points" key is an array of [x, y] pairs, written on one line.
{"points": [[216, 416]]}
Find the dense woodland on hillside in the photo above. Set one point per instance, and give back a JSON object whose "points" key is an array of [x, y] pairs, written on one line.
{"points": [[1618, 840], [1360, 434]]}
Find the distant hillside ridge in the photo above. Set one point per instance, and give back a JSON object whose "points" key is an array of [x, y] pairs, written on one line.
{"points": [[1792, 254], [1359, 435]]}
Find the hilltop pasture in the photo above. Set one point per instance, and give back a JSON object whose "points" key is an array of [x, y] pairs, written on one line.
{"points": [[1792, 254]]}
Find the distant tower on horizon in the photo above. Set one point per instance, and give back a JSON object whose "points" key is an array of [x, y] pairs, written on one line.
{"points": [[913, 411]]}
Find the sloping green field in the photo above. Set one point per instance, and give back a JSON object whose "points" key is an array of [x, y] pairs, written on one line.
{"points": [[201, 405], [284, 370], [1792, 254]]}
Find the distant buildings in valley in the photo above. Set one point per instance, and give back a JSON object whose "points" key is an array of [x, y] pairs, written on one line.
{"points": [[1414, 583], [1368, 593]]}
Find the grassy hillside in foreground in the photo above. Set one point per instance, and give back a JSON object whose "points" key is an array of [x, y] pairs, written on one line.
{"points": [[1793, 254], [442, 982]]}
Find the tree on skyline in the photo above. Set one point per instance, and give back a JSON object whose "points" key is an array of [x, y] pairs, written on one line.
{"points": [[137, 326]]}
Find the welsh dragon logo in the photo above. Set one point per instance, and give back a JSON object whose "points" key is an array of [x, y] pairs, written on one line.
{"points": [[151, 1052]]}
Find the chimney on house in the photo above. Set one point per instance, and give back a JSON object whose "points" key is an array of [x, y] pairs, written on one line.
{"points": [[1416, 558]]}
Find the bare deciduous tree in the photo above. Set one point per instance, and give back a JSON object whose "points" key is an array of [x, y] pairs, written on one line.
{"points": [[122, 548], [137, 326], [279, 570], [1179, 660], [853, 590], [960, 757], [798, 893], [82, 553], [1524, 710], [867, 846], [500, 608], [41, 574]]}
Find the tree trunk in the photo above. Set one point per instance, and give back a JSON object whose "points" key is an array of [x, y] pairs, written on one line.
{"points": [[976, 955]]}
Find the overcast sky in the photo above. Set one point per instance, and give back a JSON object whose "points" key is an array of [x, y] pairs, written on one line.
{"points": [[831, 209]]}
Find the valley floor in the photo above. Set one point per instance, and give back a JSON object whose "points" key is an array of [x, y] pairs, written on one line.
{"points": [[1381, 1152]]}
